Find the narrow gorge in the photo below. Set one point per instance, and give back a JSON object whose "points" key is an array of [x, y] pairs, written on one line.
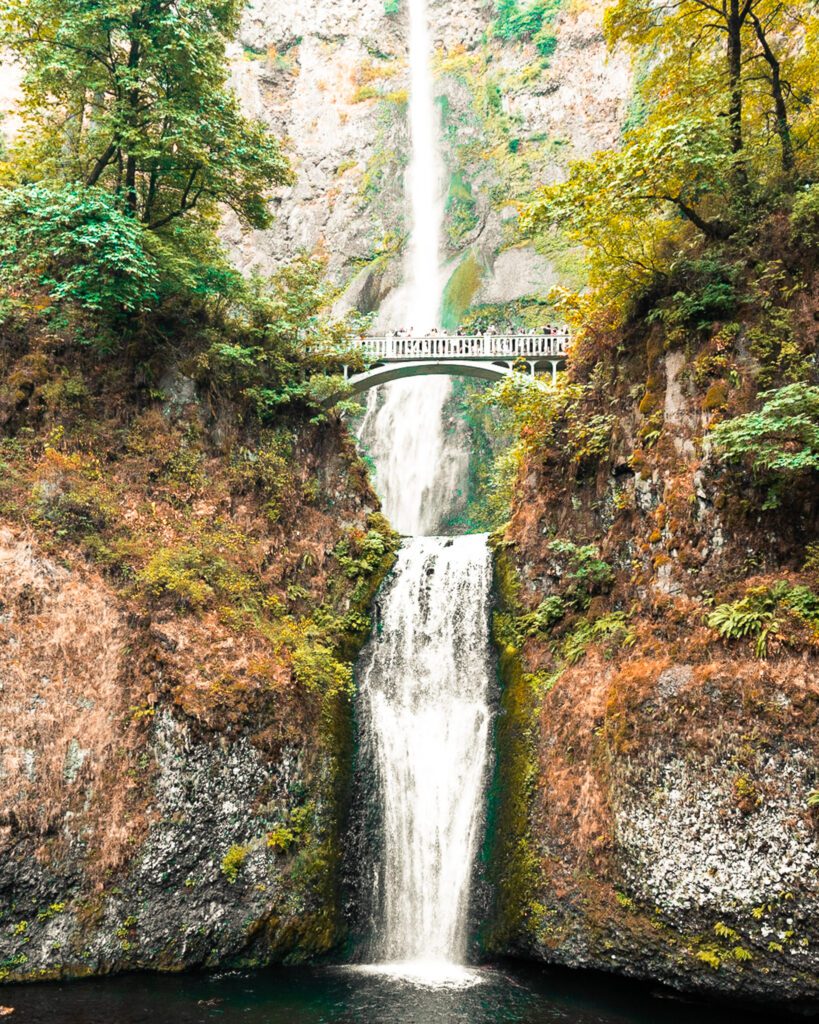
{"points": [[485, 694]]}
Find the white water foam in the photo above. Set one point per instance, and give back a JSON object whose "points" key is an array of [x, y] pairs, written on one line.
{"points": [[425, 686]]}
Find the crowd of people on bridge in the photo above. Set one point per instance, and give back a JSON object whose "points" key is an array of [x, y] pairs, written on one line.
{"points": [[473, 331]]}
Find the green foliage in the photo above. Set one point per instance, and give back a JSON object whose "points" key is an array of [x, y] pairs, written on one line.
{"points": [[751, 617], [284, 837], [316, 666], [267, 469], [517, 20], [195, 577], [368, 556], [805, 217], [586, 574], [708, 293], [73, 507], [724, 932], [610, 627], [582, 575], [180, 573], [233, 861], [78, 244], [132, 141], [614, 205], [710, 957], [758, 615], [779, 442], [547, 614], [460, 208], [392, 7], [548, 418], [153, 119], [460, 290], [51, 911], [719, 131], [283, 348]]}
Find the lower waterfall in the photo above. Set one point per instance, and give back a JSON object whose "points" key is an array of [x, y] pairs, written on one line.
{"points": [[424, 692]]}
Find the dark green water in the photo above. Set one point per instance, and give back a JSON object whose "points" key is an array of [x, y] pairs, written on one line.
{"points": [[339, 996]]}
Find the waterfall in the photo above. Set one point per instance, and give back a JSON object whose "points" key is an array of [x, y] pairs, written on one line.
{"points": [[423, 177], [424, 690], [417, 467], [424, 677]]}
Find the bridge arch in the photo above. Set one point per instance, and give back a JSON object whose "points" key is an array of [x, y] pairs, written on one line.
{"points": [[384, 373], [485, 357]]}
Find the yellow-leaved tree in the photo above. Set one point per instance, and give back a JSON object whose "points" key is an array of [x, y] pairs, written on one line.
{"points": [[723, 124]]}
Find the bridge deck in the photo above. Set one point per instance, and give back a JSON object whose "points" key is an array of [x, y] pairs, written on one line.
{"points": [[484, 347]]}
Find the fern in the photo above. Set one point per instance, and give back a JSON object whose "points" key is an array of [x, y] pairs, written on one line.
{"points": [[756, 615], [779, 442]]}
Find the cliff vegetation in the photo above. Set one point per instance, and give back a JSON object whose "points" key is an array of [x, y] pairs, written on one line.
{"points": [[189, 547], [659, 615]]}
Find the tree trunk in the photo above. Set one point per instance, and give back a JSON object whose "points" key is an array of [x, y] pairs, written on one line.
{"points": [[133, 104], [101, 164], [735, 75], [783, 129], [717, 230], [734, 21]]}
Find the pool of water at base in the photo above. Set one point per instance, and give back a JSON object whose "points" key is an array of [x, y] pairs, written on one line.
{"points": [[502, 994]]}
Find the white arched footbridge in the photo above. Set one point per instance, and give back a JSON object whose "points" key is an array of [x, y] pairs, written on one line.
{"points": [[486, 356]]}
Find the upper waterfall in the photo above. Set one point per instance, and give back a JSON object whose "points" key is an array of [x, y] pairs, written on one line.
{"points": [[419, 464], [424, 178]]}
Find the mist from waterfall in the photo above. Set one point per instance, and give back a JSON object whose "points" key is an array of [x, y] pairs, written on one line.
{"points": [[418, 463]]}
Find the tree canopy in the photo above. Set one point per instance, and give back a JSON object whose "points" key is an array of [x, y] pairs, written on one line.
{"points": [[133, 96], [132, 143], [723, 120]]}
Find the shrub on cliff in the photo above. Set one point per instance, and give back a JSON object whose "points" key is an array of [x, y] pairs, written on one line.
{"points": [[533, 20], [778, 443], [77, 244]]}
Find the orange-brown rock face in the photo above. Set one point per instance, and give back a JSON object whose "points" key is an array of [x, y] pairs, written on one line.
{"points": [[668, 827], [179, 608], [66, 693]]}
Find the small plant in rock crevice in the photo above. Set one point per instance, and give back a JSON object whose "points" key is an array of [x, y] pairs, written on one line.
{"points": [[233, 861]]}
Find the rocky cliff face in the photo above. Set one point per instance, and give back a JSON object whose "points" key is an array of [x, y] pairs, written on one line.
{"points": [[180, 603], [332, 78], [659, 778]]}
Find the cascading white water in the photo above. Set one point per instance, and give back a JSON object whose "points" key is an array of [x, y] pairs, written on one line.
{"points": [[420, 464], [425, 690], [423, 177], [424, 678], [416, 463]]}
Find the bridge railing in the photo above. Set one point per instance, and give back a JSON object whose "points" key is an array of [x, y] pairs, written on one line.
{"points": [[457, 346]]}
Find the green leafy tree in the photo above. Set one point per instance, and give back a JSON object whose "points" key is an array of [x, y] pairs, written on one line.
{"points": [[76, 243], [132, 96], [727, 122], [284, 347]]}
